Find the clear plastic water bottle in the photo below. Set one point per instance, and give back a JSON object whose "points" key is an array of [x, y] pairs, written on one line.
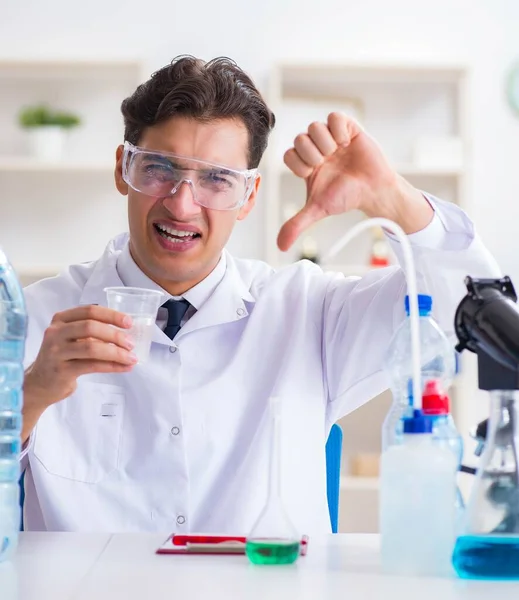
{"points": [[436, 405], [417, 502], [13, 331], [438, 362]]}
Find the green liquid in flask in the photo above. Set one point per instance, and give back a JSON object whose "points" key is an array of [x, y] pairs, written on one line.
{"points": [[272, 551], [273, 540]]}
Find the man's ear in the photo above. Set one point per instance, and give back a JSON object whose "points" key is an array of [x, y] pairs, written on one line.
{"points": [[247, 207], [120, 184]]}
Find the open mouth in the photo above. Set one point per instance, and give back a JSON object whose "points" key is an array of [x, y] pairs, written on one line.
{"points": [[179, 236]]}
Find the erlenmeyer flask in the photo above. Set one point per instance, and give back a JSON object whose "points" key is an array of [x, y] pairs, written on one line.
{"points": [[273, 539], [489, 546]]}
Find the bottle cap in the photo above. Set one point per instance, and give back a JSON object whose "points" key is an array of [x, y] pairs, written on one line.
{"points": [[418, 423], [424, 305], [434, 400]]}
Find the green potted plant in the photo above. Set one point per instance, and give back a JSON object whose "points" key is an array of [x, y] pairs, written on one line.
{"points": [[46, 130]]}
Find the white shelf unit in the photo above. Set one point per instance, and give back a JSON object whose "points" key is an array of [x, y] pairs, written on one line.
{"points": [[396, 103], [30, 165], [350, 483], [28, 274], [58, 213], [399, 105], [73, 69]]}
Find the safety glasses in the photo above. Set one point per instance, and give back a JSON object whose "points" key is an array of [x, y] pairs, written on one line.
{"points": [[161, 174]]}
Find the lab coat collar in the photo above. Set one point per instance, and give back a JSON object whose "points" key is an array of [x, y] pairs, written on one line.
{"points": [[226, 304], [131, 274]]}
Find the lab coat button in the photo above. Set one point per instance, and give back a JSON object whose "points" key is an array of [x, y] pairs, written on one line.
{"points": [[181, 519], [173, 349], [175, 430], [240, 312]]}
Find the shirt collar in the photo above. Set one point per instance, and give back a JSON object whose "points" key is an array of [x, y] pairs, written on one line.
{"points": [[132, 276]]}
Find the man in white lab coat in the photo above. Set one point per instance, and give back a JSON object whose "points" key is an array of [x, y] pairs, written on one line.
{"points": [[181, 442]]}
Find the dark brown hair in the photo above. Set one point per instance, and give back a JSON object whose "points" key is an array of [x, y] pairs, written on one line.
{"points": [[205, 91]]}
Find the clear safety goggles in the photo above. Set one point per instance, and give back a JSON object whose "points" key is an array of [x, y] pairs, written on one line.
{"points": [[161, 174]]}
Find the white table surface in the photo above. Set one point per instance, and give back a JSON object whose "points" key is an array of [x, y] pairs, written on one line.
{"points": [[71, 566], [50, 565]]}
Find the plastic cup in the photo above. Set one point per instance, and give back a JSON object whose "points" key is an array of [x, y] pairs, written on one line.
{"points": [[142, 306]]}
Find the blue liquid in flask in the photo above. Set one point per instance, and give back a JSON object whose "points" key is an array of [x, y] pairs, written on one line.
{"points": [[487, 557]]}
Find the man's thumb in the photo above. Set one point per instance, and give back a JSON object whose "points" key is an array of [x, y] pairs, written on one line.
{"points": [[295, 226]]}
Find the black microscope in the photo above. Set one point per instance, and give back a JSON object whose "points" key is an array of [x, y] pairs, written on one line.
{"points": [[487, 323]]}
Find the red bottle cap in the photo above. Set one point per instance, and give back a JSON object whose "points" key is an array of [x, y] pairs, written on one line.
{"points": [[434, 400]]}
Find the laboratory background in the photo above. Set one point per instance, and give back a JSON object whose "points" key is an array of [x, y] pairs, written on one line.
{"points": [[437, 84]]}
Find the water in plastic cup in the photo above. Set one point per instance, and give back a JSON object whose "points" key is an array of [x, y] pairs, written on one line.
{"points": [[142, 306]]}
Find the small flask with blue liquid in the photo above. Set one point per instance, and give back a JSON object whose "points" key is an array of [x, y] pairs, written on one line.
{"points": [[489, 545]]}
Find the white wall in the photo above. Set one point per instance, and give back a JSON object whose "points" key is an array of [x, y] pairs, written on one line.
{"points": [[481, 33]]}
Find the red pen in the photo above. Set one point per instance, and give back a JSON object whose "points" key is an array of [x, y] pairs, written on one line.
{"points": [[183, 540]]}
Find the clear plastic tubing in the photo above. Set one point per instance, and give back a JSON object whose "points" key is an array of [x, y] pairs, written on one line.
{"points": [[410, 273]]}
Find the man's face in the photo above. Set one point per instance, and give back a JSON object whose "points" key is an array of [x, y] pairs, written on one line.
{"points": [[179, 265]]}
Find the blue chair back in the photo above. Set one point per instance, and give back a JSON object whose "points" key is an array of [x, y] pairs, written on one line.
{"points": [[333, 474]]}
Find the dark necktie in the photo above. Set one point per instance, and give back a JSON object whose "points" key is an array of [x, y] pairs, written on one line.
{"points": [[176, 311]]}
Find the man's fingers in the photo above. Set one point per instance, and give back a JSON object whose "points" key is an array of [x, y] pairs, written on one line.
{"points": [[100, 351], [307, 150], [95, 330], [84, 367], [322, 138], [93, 312], [294, 162], [293, 228], [343, 129]]}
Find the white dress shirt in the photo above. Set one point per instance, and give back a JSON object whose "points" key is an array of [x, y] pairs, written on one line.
{"points": [[181, 442]]}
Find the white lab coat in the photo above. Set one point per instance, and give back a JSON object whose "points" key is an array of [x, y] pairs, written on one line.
{"points": [[185, 445]]}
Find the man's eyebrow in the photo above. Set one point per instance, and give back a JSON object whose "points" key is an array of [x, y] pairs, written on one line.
{"points": [[221, 171], [159, 158], [209, 169], [165, 160]]}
